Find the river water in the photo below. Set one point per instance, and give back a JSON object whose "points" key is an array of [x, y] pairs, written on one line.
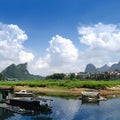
{"points": [[72, 109]]}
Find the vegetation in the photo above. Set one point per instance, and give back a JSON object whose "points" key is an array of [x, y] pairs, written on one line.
{"points": [[66, 84], [61, 76], [2, 77], [19, 72], [56, 76]]}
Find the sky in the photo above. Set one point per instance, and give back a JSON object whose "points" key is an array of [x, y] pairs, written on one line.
{"points": [[59, 36]]}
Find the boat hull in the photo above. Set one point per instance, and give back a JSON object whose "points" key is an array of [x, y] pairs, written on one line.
{"points": [[29, 105], [24, 95]]}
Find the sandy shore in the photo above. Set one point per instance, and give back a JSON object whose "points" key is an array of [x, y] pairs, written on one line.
{"points": [[109, 92]]}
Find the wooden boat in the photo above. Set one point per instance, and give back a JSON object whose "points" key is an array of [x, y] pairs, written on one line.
{"points": [[15, 109], [90, 95], [30, 104], [23, 100], [23, 93]]}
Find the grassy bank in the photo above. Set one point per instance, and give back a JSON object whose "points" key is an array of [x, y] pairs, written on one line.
{"points": [[64, 84], [66, 88]]}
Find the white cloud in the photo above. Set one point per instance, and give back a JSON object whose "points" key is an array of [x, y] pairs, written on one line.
{"points": [[62, 50], [25, 56], [12, 33], [102, 41], [11, 45], [61, 57], [101, 36]]}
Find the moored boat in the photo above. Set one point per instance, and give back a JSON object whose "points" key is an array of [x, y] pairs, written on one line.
{"points": [[30, 104], [90, 95], [23, 93]]}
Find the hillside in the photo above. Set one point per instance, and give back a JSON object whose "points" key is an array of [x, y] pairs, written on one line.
{"points": [[91, 68], [19, 72]]}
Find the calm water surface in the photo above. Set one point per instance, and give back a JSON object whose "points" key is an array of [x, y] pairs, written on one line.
{"points": [[71, 109]]}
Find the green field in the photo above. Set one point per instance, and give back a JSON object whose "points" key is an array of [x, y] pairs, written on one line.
{"points": [[66, 84]]}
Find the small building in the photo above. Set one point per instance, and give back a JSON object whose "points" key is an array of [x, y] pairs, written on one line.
{"points": [[6, 93]]}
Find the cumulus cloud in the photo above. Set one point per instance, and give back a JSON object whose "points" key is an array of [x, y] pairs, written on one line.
{"points": [[100, 45], [62, 50], [61, 57], [25, 56], [11, 45], [102, 41], [101, 36]]}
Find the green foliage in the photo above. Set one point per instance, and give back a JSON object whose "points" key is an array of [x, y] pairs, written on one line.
{"points": [[66, 84], [19, 72], [72, 76], [56, 76], [2, 77]]}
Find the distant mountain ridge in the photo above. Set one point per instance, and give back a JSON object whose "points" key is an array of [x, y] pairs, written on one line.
{"points": [[91, 68], [19, 72]]}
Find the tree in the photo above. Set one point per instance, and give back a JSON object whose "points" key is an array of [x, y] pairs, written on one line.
{"points": [[56, 76], [72, 76], [2, 77]]}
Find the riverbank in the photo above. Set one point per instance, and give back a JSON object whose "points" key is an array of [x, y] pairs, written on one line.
{"points": [[74, 92], [65, 88]]}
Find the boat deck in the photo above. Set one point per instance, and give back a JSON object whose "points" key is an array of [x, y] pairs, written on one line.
{"points": [[14, 109], [91, 93]]}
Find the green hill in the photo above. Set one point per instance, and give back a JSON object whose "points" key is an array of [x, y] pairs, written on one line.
{"points": [[19, 72]]}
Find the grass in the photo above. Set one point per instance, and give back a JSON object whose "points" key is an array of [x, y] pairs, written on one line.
{"points": [[63, 88], [66, 84]]}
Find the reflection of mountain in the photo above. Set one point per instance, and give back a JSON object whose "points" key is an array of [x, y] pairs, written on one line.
{"points": [[4, 114]]}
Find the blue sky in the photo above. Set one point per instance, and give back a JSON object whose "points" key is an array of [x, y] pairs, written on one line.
{"points": [[89, 28]]}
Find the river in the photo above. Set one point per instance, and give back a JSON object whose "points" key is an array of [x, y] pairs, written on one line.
{"points": [[72, 109]]}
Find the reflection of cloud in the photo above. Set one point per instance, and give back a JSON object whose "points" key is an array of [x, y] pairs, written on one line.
{"points": [[65, 109], [73, 110], [107, 110]]}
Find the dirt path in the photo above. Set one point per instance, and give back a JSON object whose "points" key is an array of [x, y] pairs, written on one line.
{"points": [[113, 92]]}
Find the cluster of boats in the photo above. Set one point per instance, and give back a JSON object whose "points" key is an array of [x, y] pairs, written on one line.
{"points": [[24, 102]]}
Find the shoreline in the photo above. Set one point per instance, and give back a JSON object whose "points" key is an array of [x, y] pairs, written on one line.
{"points": [[75, 92]]}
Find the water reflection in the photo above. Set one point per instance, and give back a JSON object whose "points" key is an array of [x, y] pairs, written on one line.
{"points": [[41, 118], [107, 110], [4, 114], [29, 117], [73, 109], [92, 102], [79, 110], [64, 109]]}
